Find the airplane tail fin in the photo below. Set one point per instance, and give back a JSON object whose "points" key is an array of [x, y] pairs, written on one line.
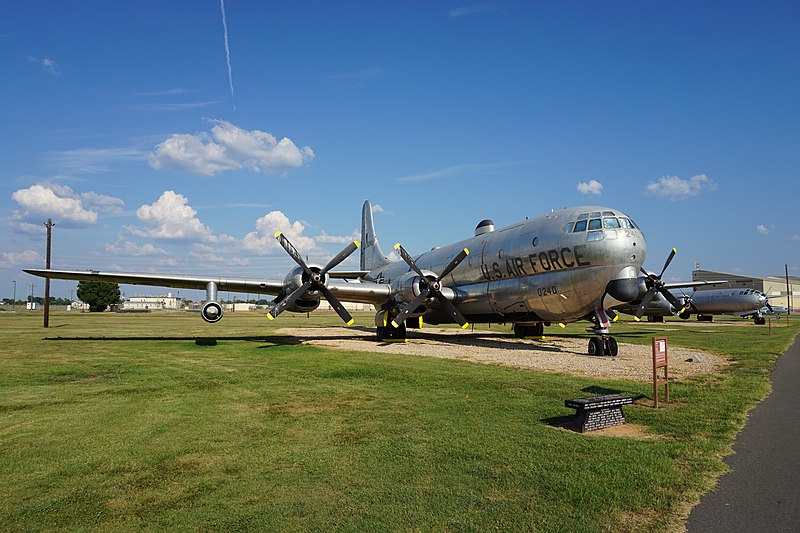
{"points": [[372, 256]]}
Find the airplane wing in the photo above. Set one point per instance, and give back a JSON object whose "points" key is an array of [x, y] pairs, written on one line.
{"points": [[690, 284], [361, 292]]}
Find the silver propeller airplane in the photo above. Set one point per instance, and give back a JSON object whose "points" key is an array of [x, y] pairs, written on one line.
{"points": [[568, 265], [706, 303]]}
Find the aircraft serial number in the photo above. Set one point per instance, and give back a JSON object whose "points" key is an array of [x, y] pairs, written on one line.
{"points": [[545, 291]]}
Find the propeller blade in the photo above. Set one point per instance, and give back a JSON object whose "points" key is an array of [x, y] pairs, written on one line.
{"points": [[410, 308], [454, 263], [648, 297], [454, 313], [281, 306], [670, 297], [341, 256], [284, 242], [669, 260], [337, 305], [408, 259]]}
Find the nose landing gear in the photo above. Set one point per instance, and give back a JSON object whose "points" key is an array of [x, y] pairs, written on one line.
{"points": [[602, 343]]}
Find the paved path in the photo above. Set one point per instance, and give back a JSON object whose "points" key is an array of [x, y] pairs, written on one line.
{"points": [[762, 491]]}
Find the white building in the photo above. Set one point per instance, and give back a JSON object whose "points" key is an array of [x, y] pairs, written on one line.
{"points": [[152, 303]]}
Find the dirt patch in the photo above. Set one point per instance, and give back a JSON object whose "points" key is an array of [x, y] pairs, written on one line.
{"points": [[551, 354]]}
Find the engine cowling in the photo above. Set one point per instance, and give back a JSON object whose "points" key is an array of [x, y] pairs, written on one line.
{"points": [[310, 300], [211, 312]]}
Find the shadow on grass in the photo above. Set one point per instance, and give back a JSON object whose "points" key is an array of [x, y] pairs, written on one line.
{"points": [[272, 339]]}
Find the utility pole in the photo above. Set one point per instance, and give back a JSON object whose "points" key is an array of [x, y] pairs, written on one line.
{"points": [[46, 324], [31, 300], [788, 291], [14, 302]]}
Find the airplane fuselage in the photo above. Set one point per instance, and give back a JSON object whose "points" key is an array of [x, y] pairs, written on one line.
{"points": [[540, 270]]}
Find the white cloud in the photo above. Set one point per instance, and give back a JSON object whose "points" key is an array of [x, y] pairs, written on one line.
{"points": [[590, 187], [469, 169], [229, 147], [24, 258], [171, 218], [93, 160], [48, 64], [62, 204], [262, 240], [796, 237], [123, 247], [675, 188], [762, 229]]}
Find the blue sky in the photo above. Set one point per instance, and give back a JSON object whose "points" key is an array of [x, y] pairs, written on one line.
{"points": [[158, 144]]}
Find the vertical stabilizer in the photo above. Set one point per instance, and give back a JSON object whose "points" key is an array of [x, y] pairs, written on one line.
{"points": [[371, 255]]}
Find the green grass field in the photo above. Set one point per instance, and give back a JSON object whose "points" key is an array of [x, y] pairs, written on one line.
{"points": [[121, 422]]}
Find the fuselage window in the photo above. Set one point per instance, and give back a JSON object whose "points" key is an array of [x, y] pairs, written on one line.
{"points": [[594, 236], [625, 223], [568, 227], [610, 223], [583, 216], [595, 224], [580, 226]]}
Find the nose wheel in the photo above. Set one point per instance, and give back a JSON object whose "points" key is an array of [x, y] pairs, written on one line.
{"points": [[603, 345]]}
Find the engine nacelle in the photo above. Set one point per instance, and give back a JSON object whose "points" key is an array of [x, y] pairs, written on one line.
{"points": [[211, 312], [294, 280]]}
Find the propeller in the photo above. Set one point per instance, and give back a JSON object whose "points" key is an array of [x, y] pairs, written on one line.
{"points": [[655, 285], [315, 281], [431, 287]]}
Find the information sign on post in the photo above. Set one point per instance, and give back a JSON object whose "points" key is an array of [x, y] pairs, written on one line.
{"points": [[660, 360]]}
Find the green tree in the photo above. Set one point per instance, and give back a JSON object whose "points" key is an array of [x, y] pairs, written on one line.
{"points": [[98, 294]]}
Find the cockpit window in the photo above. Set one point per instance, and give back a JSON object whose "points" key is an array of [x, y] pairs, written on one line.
{"points": [[580, 226], [608, 214], [594, 214], [625, 223], [583, 216], [568, 227], [594, 223], [610, 223]]}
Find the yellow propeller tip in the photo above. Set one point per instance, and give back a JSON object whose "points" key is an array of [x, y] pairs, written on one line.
{"points": [[562, 325], [466, 251], [394, 324], [465, 326], [396, 246], [351, 322], [615, 318], [278, 234], [637, 319], [358, 244], [675, 250], [269, 315]]}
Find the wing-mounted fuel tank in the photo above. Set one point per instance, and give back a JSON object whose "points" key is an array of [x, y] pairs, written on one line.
{"points": [[296, 278], [211, 310]]}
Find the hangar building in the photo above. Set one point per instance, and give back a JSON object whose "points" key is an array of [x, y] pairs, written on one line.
{"points": [[775, 287]]}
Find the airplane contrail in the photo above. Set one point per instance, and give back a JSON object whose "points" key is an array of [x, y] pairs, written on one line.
{"points": [[227, 51]]}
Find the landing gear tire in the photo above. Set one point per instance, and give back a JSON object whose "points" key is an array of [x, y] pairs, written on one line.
{"points": [[595, 346], [526, 330], [611, 346], [760, 320]]}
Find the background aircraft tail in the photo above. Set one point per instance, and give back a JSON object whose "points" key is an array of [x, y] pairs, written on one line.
{"points": [[371, 255]]}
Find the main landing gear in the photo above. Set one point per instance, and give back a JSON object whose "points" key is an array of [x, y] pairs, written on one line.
{"points": [[386, 332]]}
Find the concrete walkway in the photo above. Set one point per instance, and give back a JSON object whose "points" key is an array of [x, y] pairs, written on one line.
{"points": [[762, 491]]}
